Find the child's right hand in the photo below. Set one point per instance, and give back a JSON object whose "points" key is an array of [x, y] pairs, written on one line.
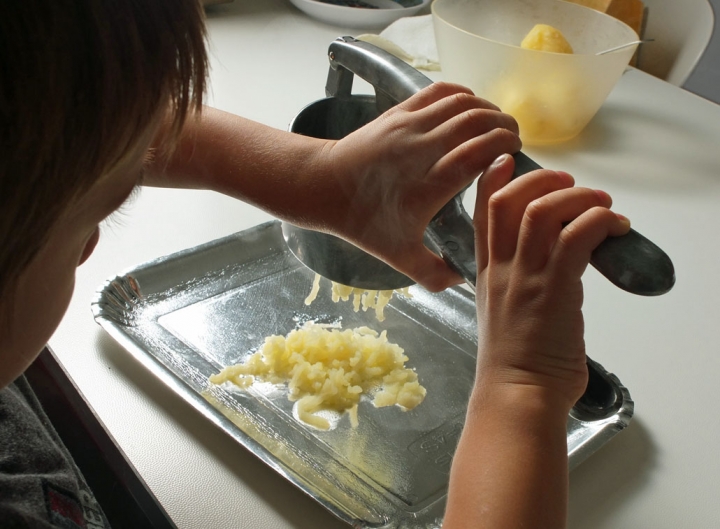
{"points": [[534, 238]]}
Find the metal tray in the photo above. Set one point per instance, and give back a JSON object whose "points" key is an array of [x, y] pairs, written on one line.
{"points": [[188, 315]]}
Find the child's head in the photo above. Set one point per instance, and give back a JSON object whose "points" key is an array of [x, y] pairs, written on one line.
{"points": [[83, 86]]}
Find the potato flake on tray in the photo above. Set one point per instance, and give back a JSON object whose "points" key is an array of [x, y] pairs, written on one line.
{"points": [[331, 369], [367, 299]]}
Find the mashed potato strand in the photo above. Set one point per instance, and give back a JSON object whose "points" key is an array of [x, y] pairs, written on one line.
{"points": [[365, 299], [330, 369]]}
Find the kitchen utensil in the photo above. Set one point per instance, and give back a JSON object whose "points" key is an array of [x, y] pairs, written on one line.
{"points": [[631, 262], [623, 46], [552, 95]]}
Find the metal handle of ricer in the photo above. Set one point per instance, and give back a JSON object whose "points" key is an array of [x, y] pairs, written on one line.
{"points": [[631, 261]]}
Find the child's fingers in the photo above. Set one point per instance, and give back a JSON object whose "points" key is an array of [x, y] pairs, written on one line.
{"points": [[544, 218], [571, 254], [506, 208], [456, 107], [431, 94], [469, 124], [462, 165], [494, 178], [426, 268]]}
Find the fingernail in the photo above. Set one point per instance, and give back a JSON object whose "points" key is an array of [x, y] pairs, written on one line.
{"points": [[623, 219], [567, 176], [499, 161], [603, 195]]}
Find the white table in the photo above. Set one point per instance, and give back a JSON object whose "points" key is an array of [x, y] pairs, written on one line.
{"points": [[655, 148]]}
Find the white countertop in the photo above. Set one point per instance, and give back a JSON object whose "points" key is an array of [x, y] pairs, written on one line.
{"points": [[654, 147]]}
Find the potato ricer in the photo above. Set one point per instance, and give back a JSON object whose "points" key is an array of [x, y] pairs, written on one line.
{"points": [[631, 261]]}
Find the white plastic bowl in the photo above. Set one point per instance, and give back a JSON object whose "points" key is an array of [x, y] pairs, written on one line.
{"points": [[551, 95], [357, 17]]}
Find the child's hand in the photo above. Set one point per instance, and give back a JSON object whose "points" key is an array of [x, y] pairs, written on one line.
{"points": [[529, 291], [397, 172]]}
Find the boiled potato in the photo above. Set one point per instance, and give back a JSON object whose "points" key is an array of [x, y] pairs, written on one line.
{"points": [[546, 38]]}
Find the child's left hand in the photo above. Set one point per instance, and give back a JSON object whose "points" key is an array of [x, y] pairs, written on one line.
{"points": [[534, 238], [397, 172]]}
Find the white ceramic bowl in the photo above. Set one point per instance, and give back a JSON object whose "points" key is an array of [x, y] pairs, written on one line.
{"points": [[358, 17]]}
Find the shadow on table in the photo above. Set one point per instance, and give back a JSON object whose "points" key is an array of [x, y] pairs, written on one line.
{"points": [[285, 499], [611, 477], [688, 171]]}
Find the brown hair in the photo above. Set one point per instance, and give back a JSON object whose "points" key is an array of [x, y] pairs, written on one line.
{"points": [[80, 81]]}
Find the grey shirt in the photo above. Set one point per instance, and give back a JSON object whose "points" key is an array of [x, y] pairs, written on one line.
{"points": [[40, 485]]}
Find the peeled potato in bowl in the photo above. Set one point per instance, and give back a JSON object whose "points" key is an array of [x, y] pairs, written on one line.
{"points": [[546, 38], [537, 61]]}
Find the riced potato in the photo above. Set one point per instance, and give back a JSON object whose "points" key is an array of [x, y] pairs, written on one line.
{"points": [[367, 299], [330, 369], [546, 38]]}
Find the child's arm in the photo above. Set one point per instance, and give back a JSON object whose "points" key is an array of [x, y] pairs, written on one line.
{"points": [[510, 469], [378, 187]]}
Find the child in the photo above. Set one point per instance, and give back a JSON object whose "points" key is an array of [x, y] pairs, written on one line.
{"points": [[99, 96]]}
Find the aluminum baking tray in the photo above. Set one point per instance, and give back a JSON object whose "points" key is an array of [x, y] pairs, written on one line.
{"points": [[188, 315]]}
